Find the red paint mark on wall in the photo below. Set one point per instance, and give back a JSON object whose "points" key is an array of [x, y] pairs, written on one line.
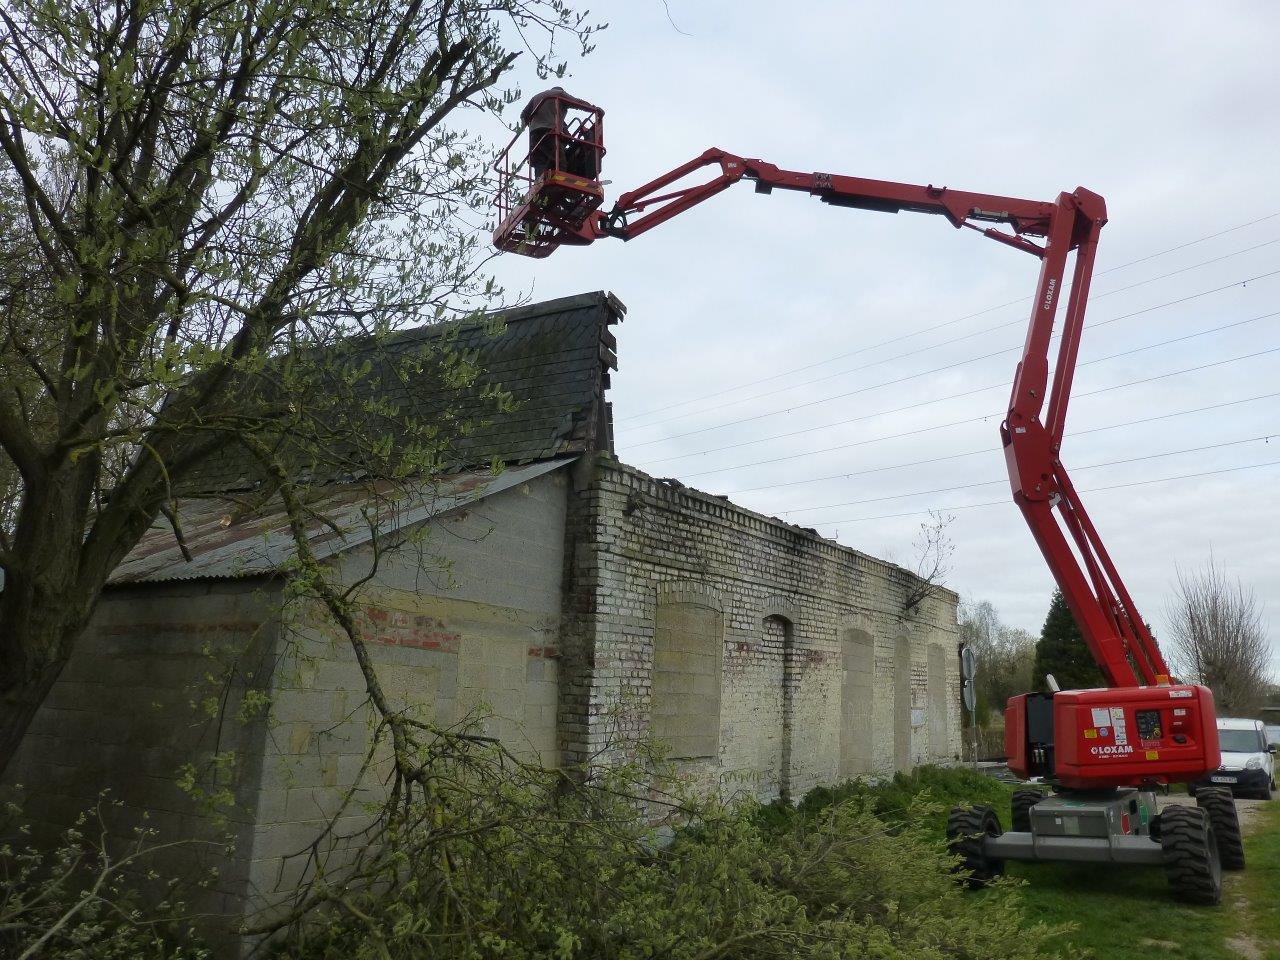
{"points": [[397, 628]]}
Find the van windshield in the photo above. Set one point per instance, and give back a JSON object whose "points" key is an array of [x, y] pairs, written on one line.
{"points": [[1241, 741]]}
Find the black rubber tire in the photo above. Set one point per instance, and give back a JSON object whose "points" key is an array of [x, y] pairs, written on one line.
{"points": [[1265, 792], [1023, 801], [1221, 807], [966, 829], [1191, 855]]}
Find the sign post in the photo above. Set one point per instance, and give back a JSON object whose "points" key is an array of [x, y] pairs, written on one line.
{"points": [[969, 695]]}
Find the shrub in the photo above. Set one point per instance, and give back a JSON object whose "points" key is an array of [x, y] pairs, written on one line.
{"points": [[78, 900], [543, 868], [926, 793]]}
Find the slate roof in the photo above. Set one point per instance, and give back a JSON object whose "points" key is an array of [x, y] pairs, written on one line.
{"points": [[225, 545], [553, 358]]}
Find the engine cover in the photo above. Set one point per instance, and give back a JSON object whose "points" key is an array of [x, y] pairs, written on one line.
{"points": [[1113, 737]]}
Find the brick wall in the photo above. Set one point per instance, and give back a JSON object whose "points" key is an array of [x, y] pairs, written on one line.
{"points": [[823, 675]]}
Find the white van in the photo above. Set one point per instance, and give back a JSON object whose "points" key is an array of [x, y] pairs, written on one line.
{"points": [[1248, 761]]}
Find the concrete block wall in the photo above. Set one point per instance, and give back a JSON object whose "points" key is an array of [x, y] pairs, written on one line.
{"points": [[463, 627], [791, 606], [155, 685]]}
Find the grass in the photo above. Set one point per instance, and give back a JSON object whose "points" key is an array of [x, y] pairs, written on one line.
{"points": [[1121, 913], [1261, 880]]}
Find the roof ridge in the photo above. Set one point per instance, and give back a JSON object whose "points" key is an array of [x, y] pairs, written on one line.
{"points": [[509, 315]]}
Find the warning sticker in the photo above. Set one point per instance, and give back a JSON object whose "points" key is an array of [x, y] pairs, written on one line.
{"points": [[1091, 734], [1153, 754], [1118, 724], [1101, 717]]}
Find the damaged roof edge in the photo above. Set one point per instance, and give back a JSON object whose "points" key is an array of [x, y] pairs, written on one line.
{"points": [[263, 544], [528, 311], [676, 486]]}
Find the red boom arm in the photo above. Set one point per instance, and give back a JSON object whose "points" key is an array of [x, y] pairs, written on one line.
{"points": [[1116, 635]]}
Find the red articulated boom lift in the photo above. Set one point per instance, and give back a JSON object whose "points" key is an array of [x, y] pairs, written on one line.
{"points": [[1103, 751]]}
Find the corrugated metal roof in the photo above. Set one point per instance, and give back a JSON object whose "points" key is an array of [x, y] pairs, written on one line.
{"points": [[225, 546]]}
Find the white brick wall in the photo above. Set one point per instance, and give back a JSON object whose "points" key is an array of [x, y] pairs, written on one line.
{"points": [[785, 719]]}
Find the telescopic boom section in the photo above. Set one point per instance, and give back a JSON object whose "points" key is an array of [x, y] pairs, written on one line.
{"points": [[1032, 432]]}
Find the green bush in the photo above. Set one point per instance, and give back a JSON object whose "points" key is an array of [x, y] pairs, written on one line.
{"points": [[542, 869], [926, 793]]}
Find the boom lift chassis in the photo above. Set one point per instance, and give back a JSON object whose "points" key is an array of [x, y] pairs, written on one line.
{"points": [[1102, 751]]}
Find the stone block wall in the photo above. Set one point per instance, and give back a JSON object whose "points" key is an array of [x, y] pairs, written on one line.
{"points": [[823, 673]]}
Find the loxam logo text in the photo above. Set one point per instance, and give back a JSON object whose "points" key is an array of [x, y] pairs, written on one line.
{"points": [[1111, 750], [1048, 295]]}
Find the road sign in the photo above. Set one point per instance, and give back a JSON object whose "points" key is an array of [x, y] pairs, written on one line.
{"points": [[968, 664], [969, 696]]}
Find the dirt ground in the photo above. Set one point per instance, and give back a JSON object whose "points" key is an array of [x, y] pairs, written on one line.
{"points": [[1242, 944], [1245, 809]]}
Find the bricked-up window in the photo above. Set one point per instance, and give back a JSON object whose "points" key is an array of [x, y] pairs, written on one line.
{"points": [[902, 704], [778, 636], [938, 739], [688, 656], [856, 696]]}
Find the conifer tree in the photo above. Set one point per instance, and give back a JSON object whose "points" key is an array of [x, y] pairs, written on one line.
{"points": [[1061, 651]]}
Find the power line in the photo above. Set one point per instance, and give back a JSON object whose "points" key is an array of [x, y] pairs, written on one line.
{"points": [[955, 396], [977, 419], [940, 326], [1116, 486], [991, 483], [944, 367], [990, 449], [1191, 243], [941, 343]]}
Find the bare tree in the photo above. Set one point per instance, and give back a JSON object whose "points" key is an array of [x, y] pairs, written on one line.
{"points": [[933, 550], [1216, 625]]}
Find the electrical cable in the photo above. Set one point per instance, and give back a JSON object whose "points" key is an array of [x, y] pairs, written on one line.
{"points": [[1005, 503], [953, 396], [990, 450], [944, 367], [981, 418], [990, 483], [941, 343], [970, 316]]}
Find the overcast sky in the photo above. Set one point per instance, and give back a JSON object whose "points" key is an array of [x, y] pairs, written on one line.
{"points": [[755, 349]]}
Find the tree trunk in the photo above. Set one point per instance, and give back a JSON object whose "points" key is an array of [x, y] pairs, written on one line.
{"points": [[45, 604], [18, 706]]}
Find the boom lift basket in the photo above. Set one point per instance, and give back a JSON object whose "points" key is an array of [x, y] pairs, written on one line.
{"points": [[549, 179]]}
